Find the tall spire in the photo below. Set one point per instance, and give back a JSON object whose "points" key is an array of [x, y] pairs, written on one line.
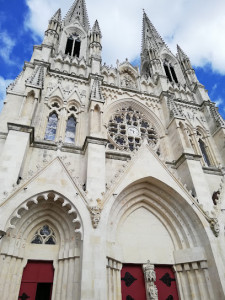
{"points": [[57, 16], [150, 36], [96, 28], [78, 12]]}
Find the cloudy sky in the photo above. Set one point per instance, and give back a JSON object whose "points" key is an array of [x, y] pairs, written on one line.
{"points": [[196, 25]]}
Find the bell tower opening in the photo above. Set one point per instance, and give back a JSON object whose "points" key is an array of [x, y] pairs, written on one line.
{"points": [[73, 46]]}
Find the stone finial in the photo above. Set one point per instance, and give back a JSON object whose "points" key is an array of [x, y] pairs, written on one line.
{"points": [[57, 16], [96, 28]]}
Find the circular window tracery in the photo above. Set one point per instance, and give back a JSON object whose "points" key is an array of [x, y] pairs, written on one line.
{"points": [[127, 129], [44, 235]]}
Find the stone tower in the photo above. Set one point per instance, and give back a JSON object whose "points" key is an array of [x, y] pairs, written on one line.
{"points": [[112, 179]]}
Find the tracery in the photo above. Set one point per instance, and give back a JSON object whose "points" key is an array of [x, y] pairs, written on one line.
{"points": [[127, 129], [44, 235]]}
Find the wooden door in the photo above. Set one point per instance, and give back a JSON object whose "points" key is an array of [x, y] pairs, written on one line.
{"points": [[132, 281], [166, 283], [37, 281]]}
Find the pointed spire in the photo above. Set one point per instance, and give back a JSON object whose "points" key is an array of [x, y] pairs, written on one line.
{"points": [[181, 54], [96, 28], [78, 12], [150, 36], [57, 16], [37, 77]]}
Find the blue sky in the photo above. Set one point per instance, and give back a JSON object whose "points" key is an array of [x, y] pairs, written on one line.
{"points": [[195, 25]]}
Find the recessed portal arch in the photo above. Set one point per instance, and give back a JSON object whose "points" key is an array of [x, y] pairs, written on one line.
{"points": [[58, 213]]}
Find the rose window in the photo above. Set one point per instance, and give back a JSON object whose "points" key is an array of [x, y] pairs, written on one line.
{"points": [[127, 129]]}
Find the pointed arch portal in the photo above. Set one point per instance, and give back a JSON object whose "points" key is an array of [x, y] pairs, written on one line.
{"points": [[151, 221], [43, 246]]}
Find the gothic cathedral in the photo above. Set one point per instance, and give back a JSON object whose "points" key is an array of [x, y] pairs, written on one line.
{"points": [[112, 179]]}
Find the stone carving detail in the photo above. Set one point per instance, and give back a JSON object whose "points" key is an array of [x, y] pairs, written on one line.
{"points": [[150, 278], [95, 212], [214, 224]]}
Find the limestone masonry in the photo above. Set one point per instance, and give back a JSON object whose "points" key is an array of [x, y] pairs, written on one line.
{"points": [[111, 179]]}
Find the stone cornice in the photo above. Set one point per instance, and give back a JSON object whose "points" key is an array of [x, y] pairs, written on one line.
{"points": [[94, 140], [186, 156], [22, 128]]}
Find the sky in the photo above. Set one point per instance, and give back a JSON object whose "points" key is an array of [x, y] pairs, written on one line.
{"points": [[196, 25]]}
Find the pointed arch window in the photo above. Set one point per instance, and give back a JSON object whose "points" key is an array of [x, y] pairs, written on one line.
{"points": [[44, 235], [170, 72], [73, 46], [51, 128], [204, 152], [70, 130]]}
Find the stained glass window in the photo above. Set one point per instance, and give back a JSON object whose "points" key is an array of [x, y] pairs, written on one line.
{"points": [[70, 130], [50, 132], [44, 235]]}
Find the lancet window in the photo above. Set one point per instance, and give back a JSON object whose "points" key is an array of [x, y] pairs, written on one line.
{"points": [[128, 128], [51, 128], [73, 45], [170, 72], [70, 130], [44, 235], [204, 152]]}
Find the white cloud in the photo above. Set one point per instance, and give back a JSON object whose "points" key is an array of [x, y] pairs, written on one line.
{"points": [[3, 85], [6, 46], [219, 101], [196, 25]]}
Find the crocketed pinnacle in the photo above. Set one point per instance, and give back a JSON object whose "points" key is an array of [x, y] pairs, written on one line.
{"points": [[57, 16], [150, 36], [181, 54], [78, 12], [96, 28], [96, 93], [37, 77]]}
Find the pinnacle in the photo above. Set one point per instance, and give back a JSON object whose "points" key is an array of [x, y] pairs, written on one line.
{"points": [[57, 16], [96, 28], [181, 53], [150, 34], [37, 78], [78, 12]]}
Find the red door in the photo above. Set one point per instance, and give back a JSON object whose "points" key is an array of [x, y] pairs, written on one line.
{"points": [[133, 284], [37, 281], [166, 284]]}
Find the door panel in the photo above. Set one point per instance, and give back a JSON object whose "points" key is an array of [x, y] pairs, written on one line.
{"points": [[37, 281], [132, 281], [166, 284], [27, 290]]}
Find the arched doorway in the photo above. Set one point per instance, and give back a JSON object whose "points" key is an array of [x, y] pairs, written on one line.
{"points": [[43, 234], [151, 221]]}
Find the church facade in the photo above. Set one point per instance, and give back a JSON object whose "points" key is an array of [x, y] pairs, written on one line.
{"points": [[112, 178]]}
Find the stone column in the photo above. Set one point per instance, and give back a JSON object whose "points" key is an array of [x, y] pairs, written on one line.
{"points": [[150, 278]]}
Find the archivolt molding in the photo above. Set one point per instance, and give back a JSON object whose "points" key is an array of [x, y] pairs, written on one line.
{"points": [[167, 208], [52, 198]]}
